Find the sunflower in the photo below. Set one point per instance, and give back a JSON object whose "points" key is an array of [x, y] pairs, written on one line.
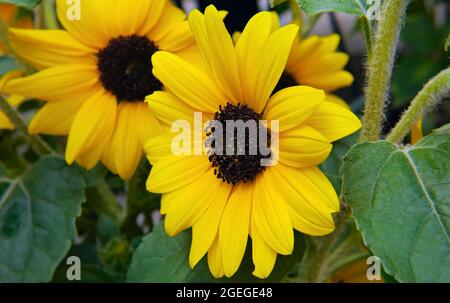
{"points": [[96, 73], [225, 199], [315, 62]]}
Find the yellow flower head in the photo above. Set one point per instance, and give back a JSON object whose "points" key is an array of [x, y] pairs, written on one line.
{"points": [[225, 198], [96, 73]]}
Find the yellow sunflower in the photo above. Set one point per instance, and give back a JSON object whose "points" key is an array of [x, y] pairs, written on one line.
{"points": [[96, 73], [224, 198]]}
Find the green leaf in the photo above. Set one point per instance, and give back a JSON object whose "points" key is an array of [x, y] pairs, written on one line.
{"points": [[30, 4], [37, 219], [7, 64], [274, 3], [332, 166], [160, 258], [353, 7], [400, 198]]}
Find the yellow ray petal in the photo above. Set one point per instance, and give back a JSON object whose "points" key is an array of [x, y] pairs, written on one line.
{"points": [[234, 227], [5, 123], [331, 81], [248, 53], [91, 158], [166, 22], [310, 198], [174, 172], [179, 38], [264, 257], [204, 231], [147, 126], [185, 206], [272, 63], [58, 83], [93, 25], [333, 121], [293, 105], [46, 48], [187, 82], [168, 108], [303, 146], [159, 147], [215, 259], [337, 100], [217, 50], [271, 215], [93, 125], [131, 17], [126, 148], [55, 118]]}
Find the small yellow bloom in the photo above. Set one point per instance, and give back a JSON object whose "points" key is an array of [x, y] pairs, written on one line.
{"points": [[226, 199], [96, 73], [13, 100]]}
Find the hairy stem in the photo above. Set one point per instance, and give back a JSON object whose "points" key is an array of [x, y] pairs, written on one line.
{"points": [[50, 20], [39, 145], [379, 69], [432, 93], [367, 30], [105, 202]]}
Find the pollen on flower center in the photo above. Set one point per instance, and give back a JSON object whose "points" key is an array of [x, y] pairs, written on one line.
{"points": [[238, 167], [125, 68]]}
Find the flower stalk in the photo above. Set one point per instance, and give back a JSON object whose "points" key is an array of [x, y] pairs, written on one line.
{"points": [[432, 93], [380, 66]]}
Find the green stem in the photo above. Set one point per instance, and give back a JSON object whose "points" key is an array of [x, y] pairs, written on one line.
{"points": [[380, 66], [39, 145], [105, 202], [432, 93], [50, 20], [367, 30]]}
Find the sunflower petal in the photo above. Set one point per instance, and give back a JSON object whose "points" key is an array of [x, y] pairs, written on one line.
{"points": [[55, 118], [185, 206], [264, 257], [293, 105], [187, 82], [215, 259], [333, 121], [206, 228], [46, 48], [174, 172], [234, 228], [271, 215], [248, 53], [310, 197], [93, 125], [58, 83], [303, 146]]}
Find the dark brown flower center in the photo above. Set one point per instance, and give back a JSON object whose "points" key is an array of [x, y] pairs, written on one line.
{"points": [[238, 156], [125, 68]]}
